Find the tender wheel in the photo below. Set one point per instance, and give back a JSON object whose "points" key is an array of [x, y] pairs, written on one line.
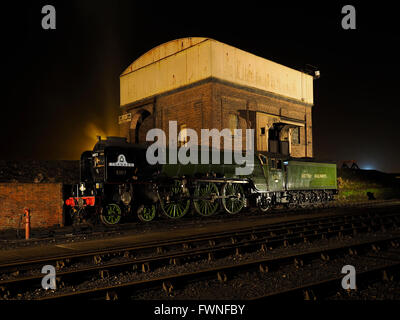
{"points": [[316, 200], [233, 199], [111, 214], [265, 204], [304, 202], [324, 199], [207, 205], [175, 203], [147, 213], [293, 202]]}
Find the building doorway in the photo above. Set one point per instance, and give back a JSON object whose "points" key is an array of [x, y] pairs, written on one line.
{"points": [[138, 123]]}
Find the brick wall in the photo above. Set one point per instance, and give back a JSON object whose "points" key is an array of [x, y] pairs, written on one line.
{"points": [[191, 106], [209, 103], [45, 201], [233, 98]]}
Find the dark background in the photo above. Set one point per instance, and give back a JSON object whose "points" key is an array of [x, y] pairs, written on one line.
{"points": [[61, 87]]}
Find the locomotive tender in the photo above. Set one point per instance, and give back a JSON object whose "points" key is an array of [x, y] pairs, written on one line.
{"points": [[116, 180]]}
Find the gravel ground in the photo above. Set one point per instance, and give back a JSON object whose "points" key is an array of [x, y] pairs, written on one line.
{"points": [[383, 290], [250, 285], [256, 284]]}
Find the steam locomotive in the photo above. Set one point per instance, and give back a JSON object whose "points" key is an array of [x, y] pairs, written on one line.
{"points": [[116, 181]]}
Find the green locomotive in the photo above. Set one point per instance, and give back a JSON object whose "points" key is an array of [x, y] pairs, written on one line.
{"points": [[116, 180]]}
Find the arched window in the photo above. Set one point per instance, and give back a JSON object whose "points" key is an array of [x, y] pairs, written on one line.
{"points": [[137, 132]]}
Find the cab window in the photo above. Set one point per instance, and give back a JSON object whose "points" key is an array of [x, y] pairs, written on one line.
{"points": [[263, 159], [98, 162]]}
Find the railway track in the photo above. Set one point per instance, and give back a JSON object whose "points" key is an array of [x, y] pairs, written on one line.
{"points": [[223, 272], [142, 262], [326, 289], [88, 231]]}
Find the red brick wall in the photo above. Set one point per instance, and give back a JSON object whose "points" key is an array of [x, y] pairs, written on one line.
{"points": [[191, 106], [45, 201], [233, 98], [208, 105]]}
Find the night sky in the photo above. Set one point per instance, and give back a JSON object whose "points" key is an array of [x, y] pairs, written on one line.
{"points": [[61, 87]]}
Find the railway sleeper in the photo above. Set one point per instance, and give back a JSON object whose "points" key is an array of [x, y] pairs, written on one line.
{"points": [[60, 264], [222, 277], [160, 250], [263, 268], [175, 261], [394, 244], [97, 259], [111, 295], [167, 286], [286, 243], [104, 274], [324, 257], [309, 295], [386, 277], [237, 252], [352, 252], [264, 248], [298, 263], [60, 283], [145, 267], [375, 248], [4, 292]]}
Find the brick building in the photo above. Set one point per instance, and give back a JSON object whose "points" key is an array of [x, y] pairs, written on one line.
{"points": [[203, 83], [44, 200], [40, 186]]}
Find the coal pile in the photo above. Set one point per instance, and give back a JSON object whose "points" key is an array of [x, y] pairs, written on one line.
{"points": [[39, 171]]}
